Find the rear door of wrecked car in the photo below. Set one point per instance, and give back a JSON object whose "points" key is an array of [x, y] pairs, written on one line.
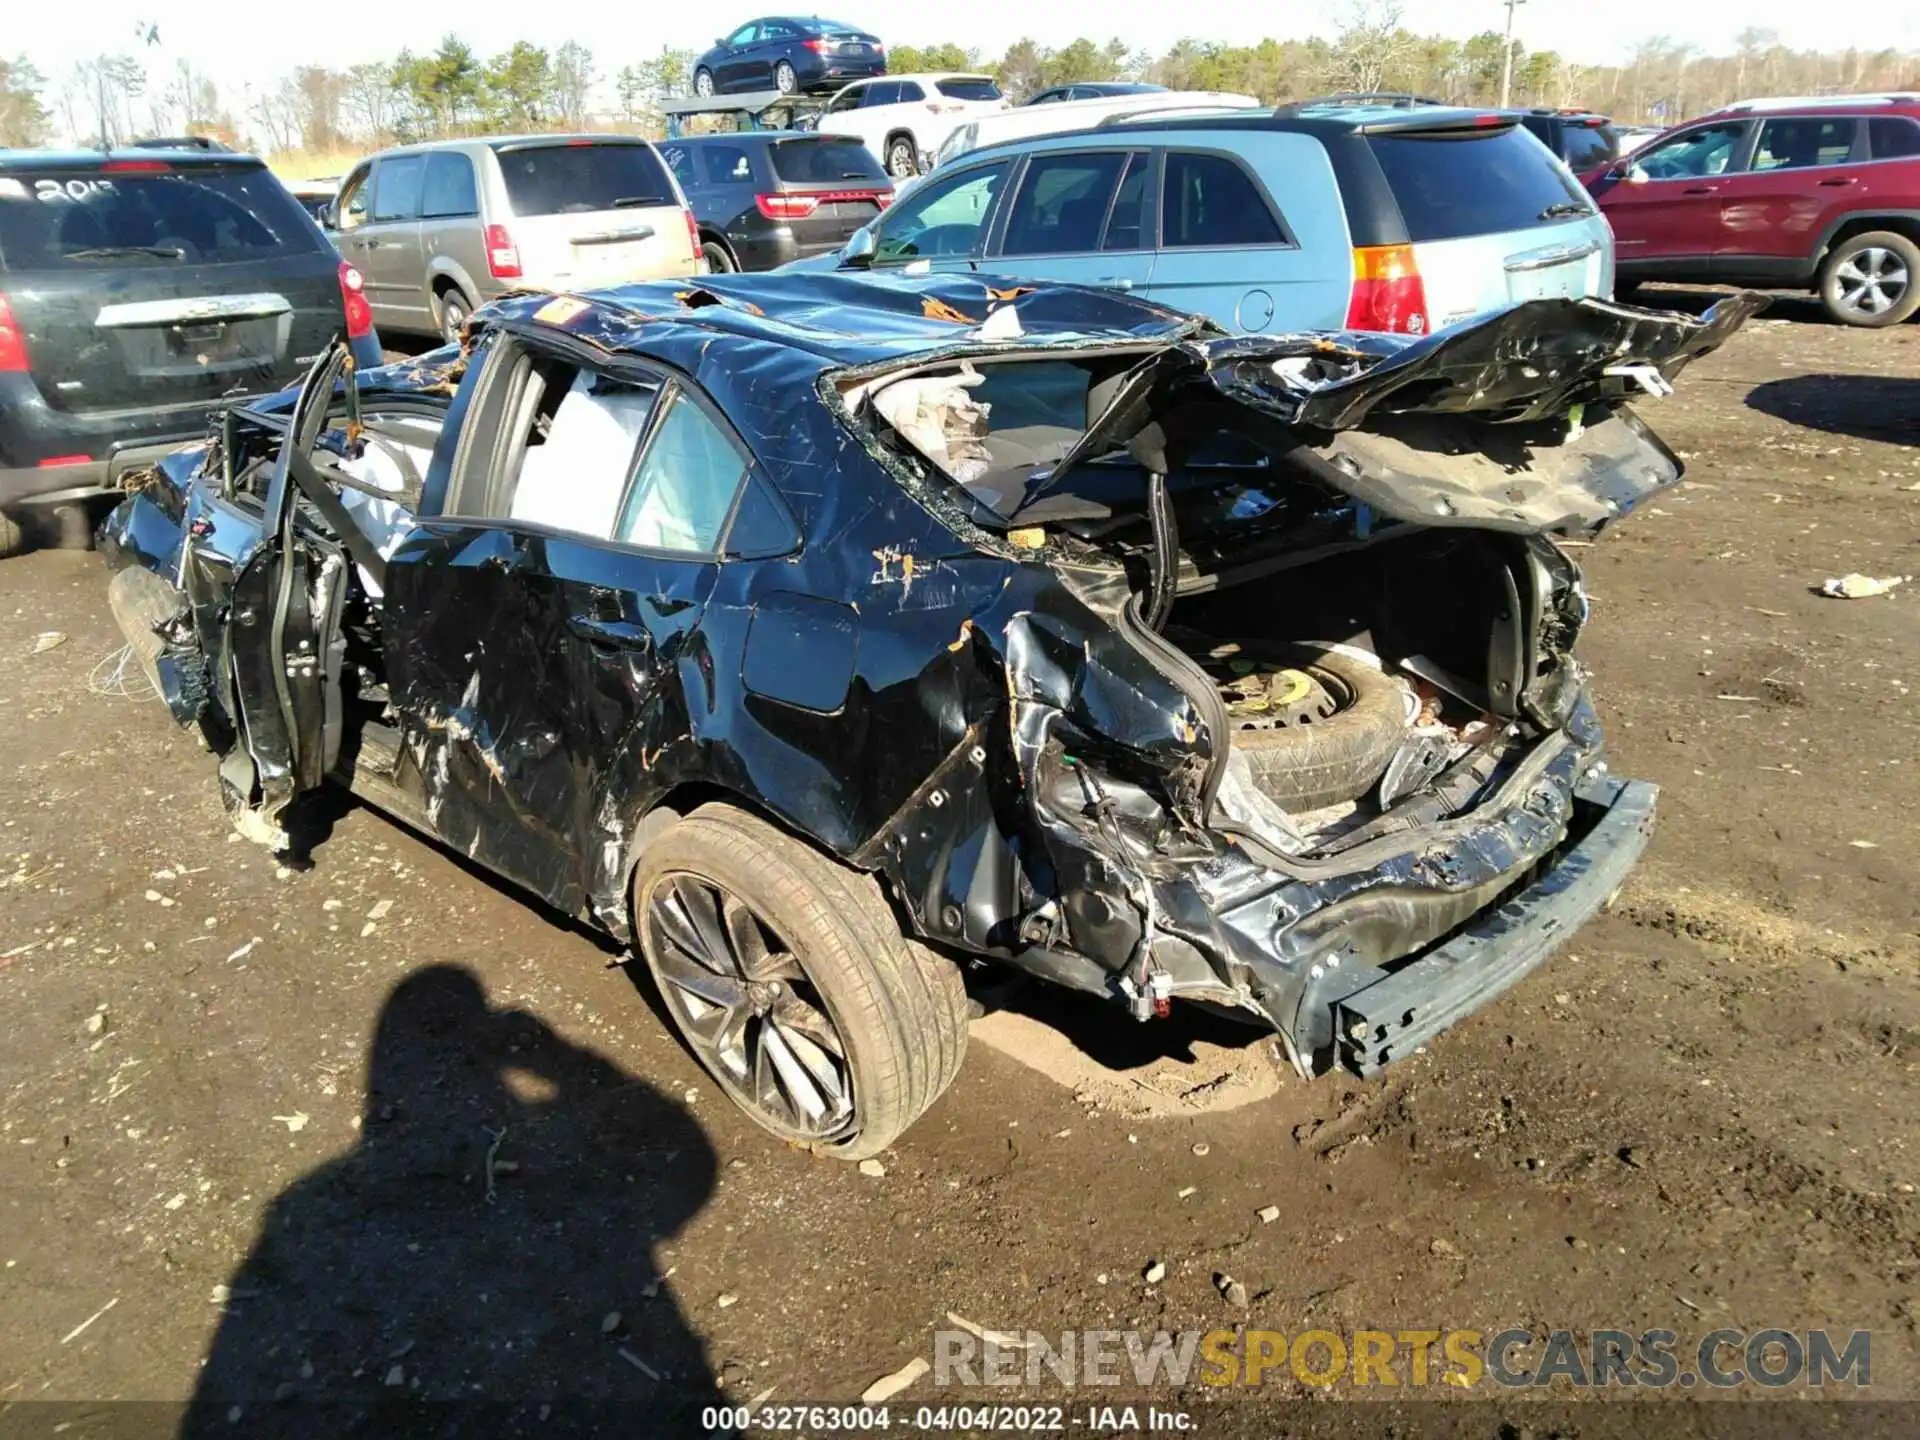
{"points": [[542, 622]]}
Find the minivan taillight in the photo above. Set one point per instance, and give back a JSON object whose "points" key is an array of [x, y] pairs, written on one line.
{"points": [[353, 300], [693, 232], [503, 256], [13, 342], [1388, 293], [786, 207]]}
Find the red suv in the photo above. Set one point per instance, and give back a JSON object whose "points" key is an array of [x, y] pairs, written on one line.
{"points": [[1820, 194]]}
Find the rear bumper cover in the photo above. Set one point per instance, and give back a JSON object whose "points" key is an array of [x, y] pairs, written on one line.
{"points": [[1389, 1018]]}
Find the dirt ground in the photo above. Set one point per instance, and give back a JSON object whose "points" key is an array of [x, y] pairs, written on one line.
{"points": [[247, 1111]]}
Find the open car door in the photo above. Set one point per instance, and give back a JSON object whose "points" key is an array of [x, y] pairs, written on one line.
{"points": [[283, 630]]}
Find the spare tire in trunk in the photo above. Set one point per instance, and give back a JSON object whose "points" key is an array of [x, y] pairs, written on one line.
{"points": [[1317, 727]]}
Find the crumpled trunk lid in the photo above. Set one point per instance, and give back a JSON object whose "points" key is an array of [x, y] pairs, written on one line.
{"points": [[1514, 422]]}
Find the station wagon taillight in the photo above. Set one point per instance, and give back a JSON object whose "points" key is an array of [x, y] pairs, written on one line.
{"points": [[1388, 293], [353, 299], [13, 342], [503, 256]]}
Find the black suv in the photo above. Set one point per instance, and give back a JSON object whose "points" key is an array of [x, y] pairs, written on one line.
{"points": [[762, 198], [1584, 140], [138, 291]]}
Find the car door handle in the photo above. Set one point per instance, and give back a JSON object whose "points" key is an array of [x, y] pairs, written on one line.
{"points": [[1699, 189], [1838, 181], [611, 634], [1115, 282], [369, 244]]}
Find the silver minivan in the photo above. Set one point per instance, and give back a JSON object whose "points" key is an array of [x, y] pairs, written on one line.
{"points": [[441, 228]]}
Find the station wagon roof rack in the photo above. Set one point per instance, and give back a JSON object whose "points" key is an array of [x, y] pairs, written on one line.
{"points": [[1399, 98], [1794, 102], [1175, 112]]}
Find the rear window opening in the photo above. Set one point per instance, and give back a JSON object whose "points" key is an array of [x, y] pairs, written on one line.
{"points": [[1451, 184], [200, 215], [571, 178], [825, 162], [968, 88], [1589, 147]]}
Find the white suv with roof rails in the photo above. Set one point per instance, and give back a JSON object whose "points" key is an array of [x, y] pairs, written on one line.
{"points": [[904, 119]]}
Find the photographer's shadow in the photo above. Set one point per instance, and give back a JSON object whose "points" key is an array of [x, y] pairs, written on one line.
{"points": [[503, 1202]]}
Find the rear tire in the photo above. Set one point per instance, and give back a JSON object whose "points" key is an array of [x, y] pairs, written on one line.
{"points": [[902, 162], [702, 83], [71, 526], [829, 948], [784, 80], [12, 542], [719, 259], [454, 311], [1871, 280]]}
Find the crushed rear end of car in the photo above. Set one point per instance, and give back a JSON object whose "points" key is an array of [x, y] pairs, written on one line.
{"points": [[1293, 724]]}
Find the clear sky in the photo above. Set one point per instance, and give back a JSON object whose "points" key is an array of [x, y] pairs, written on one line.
{"points": [[240, 43]]}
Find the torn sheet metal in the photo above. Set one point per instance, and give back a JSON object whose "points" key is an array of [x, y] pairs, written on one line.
{"points": [[977, 714]]}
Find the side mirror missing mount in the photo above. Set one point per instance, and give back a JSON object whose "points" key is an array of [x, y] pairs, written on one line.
{"points": [[859, 251]]}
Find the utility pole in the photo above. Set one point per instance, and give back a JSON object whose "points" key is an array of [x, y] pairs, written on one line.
{"points": [[1506, 63]]}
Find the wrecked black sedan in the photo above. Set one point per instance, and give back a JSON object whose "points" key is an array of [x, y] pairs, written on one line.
{"points": [[822, 635]]}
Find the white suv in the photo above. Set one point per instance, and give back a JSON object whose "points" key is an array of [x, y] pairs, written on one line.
{"points": [[904, 119]]}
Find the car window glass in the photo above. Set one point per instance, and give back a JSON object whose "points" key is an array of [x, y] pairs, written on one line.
{"points": [[396, 192], [355, 198], [964, 87], [448, 192], [1706, 151], [1047, 97], [1127, 226], [910, 90], [1589, 147], [726, 164], [685, 484], [1893, 136], [571, 178], [203, 214], [884, 93], [943, 217], [679, 159], [1797, 144], [744, 35], [579, 453], [1210, 200], [847, 100], [818, 160], [778, 32], [1455, 183], [1061, 203]]}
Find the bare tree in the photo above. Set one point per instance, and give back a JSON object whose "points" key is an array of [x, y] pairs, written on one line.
{"points": [[1369, 45], [367, 100], [572, 81]]}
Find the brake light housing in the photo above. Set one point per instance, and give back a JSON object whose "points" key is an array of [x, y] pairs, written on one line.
{"points": [[503, 256], [816, 46], [353, 299], [136, 167], [13, 342], [1388, 293], [786, 207], [693, 232]]}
